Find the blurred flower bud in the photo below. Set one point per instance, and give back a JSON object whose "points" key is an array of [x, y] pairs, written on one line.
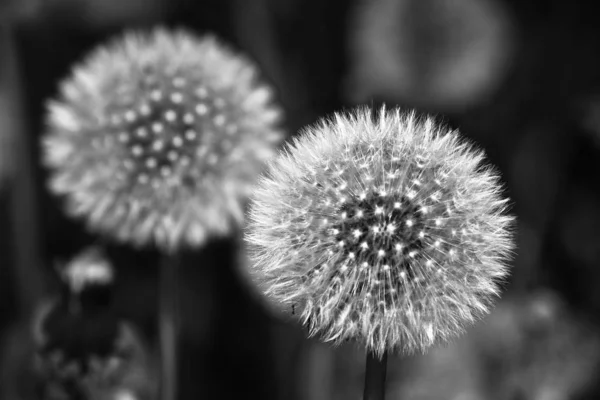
{"points": [[83, 349]]}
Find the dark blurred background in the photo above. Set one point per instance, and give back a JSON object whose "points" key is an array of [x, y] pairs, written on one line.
{"points": [[521, 78]]}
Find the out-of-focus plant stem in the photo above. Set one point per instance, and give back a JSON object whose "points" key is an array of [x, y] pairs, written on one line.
{"points": [[168, 324], [24, 228]]}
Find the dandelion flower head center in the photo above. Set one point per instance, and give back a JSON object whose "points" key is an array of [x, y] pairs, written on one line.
{"points": [[390, 227], [388, 231], [174, 122]]}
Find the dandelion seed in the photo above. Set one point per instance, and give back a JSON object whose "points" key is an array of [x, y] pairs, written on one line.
{"points": [[190, 134], [124, 137], [201, 109], [177, 141], [157, 127], [158, 145], [156, 95], [176, 97], [178, 82], [170, 115], [151, 163], [172, 155], [201, 92], [141, 132]]}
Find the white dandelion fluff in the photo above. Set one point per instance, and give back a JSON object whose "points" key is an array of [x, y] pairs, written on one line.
{"points": [[387, 230], [159, 137]]}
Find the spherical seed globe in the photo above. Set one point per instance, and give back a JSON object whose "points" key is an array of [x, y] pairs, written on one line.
{"points": [[386, 229], [157, 138]]}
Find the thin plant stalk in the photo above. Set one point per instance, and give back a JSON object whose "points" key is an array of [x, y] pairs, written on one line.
{"points": [[168, 325], [23, 194], [375, 375]]}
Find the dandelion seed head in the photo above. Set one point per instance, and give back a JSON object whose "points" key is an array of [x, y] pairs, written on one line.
{"points": [[140, 108], [402, 280]]}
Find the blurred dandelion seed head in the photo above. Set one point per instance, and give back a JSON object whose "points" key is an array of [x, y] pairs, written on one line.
{"points": [[159, 137], [383, 229], [88, 268]]}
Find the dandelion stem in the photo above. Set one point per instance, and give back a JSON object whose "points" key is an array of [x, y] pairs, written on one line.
{"points": [[375, 377], [168, 326]]}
